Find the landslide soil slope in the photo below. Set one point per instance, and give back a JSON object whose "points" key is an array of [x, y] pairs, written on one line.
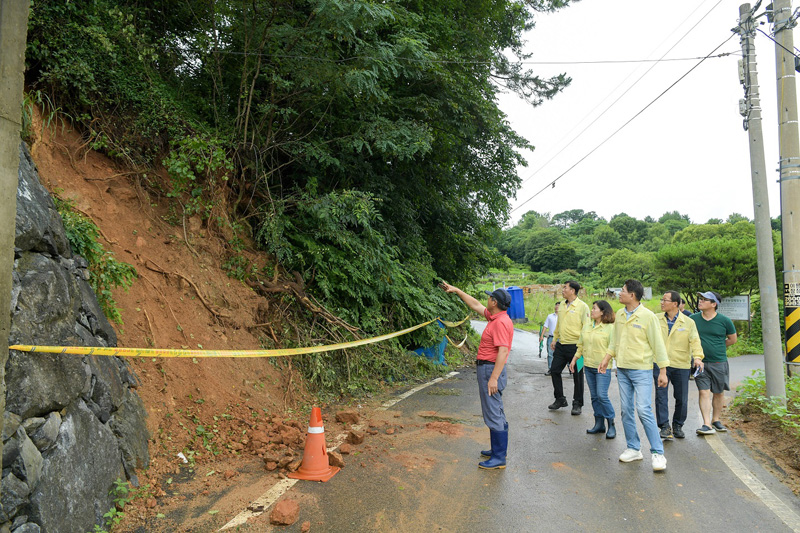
{"points": [[226, 415]]}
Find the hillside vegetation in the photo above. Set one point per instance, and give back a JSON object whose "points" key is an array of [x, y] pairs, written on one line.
{"points": [[358, 144]]}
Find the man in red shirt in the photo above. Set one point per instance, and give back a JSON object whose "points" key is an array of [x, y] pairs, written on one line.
{"points": [[492, 356]]}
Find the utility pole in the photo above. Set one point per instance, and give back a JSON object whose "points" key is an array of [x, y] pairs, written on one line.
{"points": [[750, 108], [13, 38], [789, 167]]}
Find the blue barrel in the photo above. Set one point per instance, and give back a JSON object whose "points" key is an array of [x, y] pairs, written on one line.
{"points": [[517, 309]]}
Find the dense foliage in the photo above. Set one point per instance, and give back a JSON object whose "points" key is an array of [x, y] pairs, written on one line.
{"points": [[360, 142], [670, 253]]}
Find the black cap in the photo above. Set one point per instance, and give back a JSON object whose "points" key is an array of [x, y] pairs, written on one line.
{"points": [[502, 297]]}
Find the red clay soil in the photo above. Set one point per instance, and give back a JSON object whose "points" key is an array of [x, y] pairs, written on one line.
{"points": [[221, 413]]}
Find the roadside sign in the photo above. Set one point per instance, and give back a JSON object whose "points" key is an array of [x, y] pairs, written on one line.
{"points": [[736, 307]]}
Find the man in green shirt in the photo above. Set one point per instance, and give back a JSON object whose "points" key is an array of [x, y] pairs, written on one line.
{"points": [[717, 332]]}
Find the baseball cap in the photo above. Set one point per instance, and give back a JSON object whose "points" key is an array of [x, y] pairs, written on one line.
{"points": [[502, 297], [709, 296]]}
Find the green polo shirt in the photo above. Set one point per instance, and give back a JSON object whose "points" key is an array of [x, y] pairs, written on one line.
{"points": [[713, 334]]}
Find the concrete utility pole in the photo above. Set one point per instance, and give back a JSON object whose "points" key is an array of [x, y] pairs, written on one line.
{"points": [[751, 110], [783, 22], [13, 38]]}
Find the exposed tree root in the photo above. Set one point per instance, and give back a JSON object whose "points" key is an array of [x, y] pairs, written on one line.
{"points": [[155, 268]]}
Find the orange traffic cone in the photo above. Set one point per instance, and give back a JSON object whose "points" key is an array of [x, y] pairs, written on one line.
{"points": [[315, 465]]}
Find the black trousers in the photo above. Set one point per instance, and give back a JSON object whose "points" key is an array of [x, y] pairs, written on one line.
{"points": [[562, 356]]}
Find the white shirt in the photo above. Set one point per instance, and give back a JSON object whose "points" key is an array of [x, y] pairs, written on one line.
{"points": [[550, 323]]}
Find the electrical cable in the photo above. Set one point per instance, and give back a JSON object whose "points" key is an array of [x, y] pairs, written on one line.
{"points": [[455, 61], [776, 42], [553, 183], [625, 92]]}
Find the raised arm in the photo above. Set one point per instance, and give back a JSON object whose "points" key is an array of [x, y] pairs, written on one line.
{"points": [[471, 302]]}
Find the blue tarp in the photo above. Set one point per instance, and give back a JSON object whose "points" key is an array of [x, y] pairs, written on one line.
{"points": [[436, 352]]}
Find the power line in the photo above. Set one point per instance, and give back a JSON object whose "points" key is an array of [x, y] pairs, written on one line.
{"points": [[553, 183], [776, 42], [626, 90], [452, 61]]}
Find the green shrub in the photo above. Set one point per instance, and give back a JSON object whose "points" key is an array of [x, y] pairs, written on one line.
{"points": [[106, 271], [751, 396]]}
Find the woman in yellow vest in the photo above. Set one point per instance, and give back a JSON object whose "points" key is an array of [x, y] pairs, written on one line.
{"points": [[593, 346]]}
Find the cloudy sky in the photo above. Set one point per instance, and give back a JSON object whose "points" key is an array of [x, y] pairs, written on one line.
{"points": [[687, 151]]}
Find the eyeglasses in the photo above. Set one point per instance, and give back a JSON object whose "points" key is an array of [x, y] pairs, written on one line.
{"points": [[701, 299], [667, 301]]}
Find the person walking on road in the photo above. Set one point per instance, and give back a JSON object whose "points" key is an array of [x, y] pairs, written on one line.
{"points": [[717, 332], [491, 368], [684, 350], [635, 343], [573, 316], [547, 333], [593, 346]]}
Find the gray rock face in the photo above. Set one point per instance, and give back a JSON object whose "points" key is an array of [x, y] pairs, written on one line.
{"points": [[87, 447], [13, 494], [73, 424], [44, 436], [39, 227], [29, 527]]}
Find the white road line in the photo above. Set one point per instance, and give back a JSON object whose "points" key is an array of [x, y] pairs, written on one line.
{"points": [[264, 501], [768, 497], [406, 394], [279, 489]]}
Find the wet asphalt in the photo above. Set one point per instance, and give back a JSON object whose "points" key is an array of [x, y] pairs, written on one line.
{"points": [[558, 477]]}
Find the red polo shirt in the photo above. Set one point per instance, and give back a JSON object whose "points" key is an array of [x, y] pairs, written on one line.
{"points": [[499, 332]]}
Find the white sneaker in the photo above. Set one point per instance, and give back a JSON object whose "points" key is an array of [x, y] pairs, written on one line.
{"points": [[631, 455], [659, 462]]}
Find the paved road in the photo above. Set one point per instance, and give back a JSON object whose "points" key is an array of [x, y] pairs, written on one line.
{"points": [[558, 477]]}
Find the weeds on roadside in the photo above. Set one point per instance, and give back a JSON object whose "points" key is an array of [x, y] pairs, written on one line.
{"points": [[752, 397], [122, 494]]}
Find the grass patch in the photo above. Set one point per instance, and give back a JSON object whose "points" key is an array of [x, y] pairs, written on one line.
{"points": [[751, 397]]}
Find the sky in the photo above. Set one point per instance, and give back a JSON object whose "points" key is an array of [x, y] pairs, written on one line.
{"points": [[688, 151]]}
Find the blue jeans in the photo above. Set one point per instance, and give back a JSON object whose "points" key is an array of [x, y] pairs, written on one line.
{"points": [[492, 406], [679, 377], [637, 386], [549, 352], [598, 390]]}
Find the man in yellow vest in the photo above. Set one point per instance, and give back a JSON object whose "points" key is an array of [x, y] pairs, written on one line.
{"points": [[573, 315], [684, 350], [636, 343]]}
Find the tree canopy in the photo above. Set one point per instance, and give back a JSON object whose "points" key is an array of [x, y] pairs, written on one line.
{"points": [[359, 142], [669, 253]]}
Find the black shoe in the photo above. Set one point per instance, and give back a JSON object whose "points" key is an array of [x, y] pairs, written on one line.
{"points": [[561, 402], [666, 432], [678, 432], [719, 427], [548, 373], [576, 408]]}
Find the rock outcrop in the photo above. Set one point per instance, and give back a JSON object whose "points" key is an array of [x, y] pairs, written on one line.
{"points": [[73, 425]]}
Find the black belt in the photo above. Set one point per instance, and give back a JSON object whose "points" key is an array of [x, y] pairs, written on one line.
{"points": [[480, 362]]}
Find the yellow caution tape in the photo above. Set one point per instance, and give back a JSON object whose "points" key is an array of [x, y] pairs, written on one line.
{"points": [[453, 324], [156, 352], [460, 344]]}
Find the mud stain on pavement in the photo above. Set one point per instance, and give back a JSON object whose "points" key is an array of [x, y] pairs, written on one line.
{"points": [[446, 428]]}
